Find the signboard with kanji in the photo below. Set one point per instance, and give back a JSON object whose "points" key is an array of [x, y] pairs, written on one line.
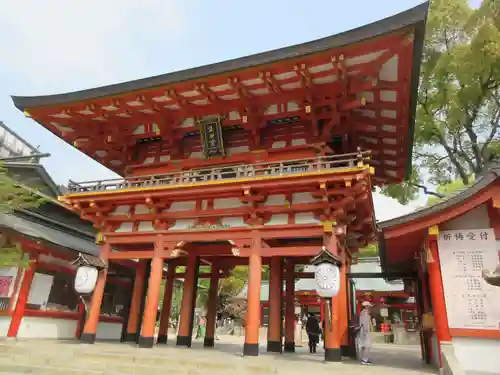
{"points": [[471, 303], [211, 136]]}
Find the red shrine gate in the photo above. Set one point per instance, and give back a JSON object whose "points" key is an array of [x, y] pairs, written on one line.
{"points": [[258, 160]]}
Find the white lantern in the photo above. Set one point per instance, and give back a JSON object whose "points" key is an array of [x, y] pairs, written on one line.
{"points": [[327, 278], [85, 279]]}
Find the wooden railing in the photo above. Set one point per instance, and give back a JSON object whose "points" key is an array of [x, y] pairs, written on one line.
{"points": [[284, 168]]}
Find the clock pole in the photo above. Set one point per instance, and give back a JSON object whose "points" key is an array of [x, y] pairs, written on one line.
{"points": [[327, 277]]}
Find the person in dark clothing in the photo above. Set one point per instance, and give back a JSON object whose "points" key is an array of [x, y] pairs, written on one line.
{"points": [[313, 331]]}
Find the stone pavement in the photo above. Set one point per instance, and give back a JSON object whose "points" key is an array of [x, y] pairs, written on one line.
{"points": [[72, 358]]}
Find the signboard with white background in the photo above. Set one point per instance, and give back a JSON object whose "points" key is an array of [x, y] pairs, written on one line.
{"points": [[471, 303]]}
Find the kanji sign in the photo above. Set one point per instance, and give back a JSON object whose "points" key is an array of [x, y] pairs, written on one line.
{"points": [[470, 302], [211, 136]]}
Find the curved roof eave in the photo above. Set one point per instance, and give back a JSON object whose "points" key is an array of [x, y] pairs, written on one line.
{"points": [[447, 204], [413, 17]]}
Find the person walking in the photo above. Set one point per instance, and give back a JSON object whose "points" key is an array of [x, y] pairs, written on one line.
{"points": [[364, 337], [313, 332]]}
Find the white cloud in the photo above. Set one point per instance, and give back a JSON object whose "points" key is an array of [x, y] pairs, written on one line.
{"points": [[60, 44], [387, 208]]}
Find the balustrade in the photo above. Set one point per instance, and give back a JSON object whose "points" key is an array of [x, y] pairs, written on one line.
{"points": [[195, 176]]}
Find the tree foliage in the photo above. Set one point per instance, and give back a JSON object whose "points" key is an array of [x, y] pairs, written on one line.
{"points": [[367, 251], [458, 110], [13, 196], [448, 189]]}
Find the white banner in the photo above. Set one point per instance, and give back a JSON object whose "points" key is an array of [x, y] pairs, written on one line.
{"points": [[471, 303]]}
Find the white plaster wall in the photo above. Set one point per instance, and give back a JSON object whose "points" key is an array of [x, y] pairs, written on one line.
{"points": [[109, 331], [4, 325], [477, 355], [305, 218], [275, 200], [145, 226], [181, 206], [183, 224], [47, 328], [474, 219], [221, 203], [278, 219], [234, 221]]}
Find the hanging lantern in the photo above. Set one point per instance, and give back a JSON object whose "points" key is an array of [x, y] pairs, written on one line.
{"points": [[87, 271], [85, 279]]}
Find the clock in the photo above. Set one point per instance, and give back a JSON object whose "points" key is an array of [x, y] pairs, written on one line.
{"points": [[85, 279], [327, 277]]}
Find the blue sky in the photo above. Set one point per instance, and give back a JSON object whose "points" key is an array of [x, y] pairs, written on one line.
{"points": [[55, 46]]}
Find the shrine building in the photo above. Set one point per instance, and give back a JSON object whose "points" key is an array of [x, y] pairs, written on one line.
{"points": [[38, 301], [259, 160], [449, 245]]}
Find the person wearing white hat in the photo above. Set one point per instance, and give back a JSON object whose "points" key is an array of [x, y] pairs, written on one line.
{"points": [[365, 340]]}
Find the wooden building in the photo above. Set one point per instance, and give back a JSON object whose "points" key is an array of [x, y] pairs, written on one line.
{"points": [[258, 160], [38, 301], [460, 311]]}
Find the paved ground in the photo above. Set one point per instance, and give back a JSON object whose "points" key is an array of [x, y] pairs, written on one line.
{"points": [[106, 358], [392, 359]]}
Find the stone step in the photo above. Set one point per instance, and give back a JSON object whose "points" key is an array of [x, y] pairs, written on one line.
{"points": [[127, 360], [97, 368]]}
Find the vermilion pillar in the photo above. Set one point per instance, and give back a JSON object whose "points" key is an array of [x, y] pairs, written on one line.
{"points": [[186, 317], [333, 330], [147, 338], [343, 313], [135, 304], [290, 307], [167, 305], [252, 326], [90, 328], [275, 295], [212, 307], [22, 299], [437, 295]]}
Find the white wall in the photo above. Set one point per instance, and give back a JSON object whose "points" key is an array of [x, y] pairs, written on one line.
{"points": [[477, 355], [4, 325], [474, 219], [47, 328], [109, 331]]}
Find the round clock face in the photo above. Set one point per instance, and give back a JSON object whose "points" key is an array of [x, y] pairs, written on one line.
{"points": [[327, 278]]}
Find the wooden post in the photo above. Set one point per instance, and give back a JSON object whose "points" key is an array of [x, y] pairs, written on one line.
{"points": [[147, 338], [22, 299], [135, 305], [274, 343], [290, 308], [437, 293], [332, 331], [213, 291], [185, 334], [252, 326], [343, 312], [90, 329], [167, 305]]}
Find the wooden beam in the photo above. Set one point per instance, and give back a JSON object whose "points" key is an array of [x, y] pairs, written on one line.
{"points": [[130, 255]]}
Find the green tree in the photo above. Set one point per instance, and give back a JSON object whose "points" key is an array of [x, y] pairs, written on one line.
{"points": [[14, 196], [458, 110], [448, 189], [367, 251]]}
